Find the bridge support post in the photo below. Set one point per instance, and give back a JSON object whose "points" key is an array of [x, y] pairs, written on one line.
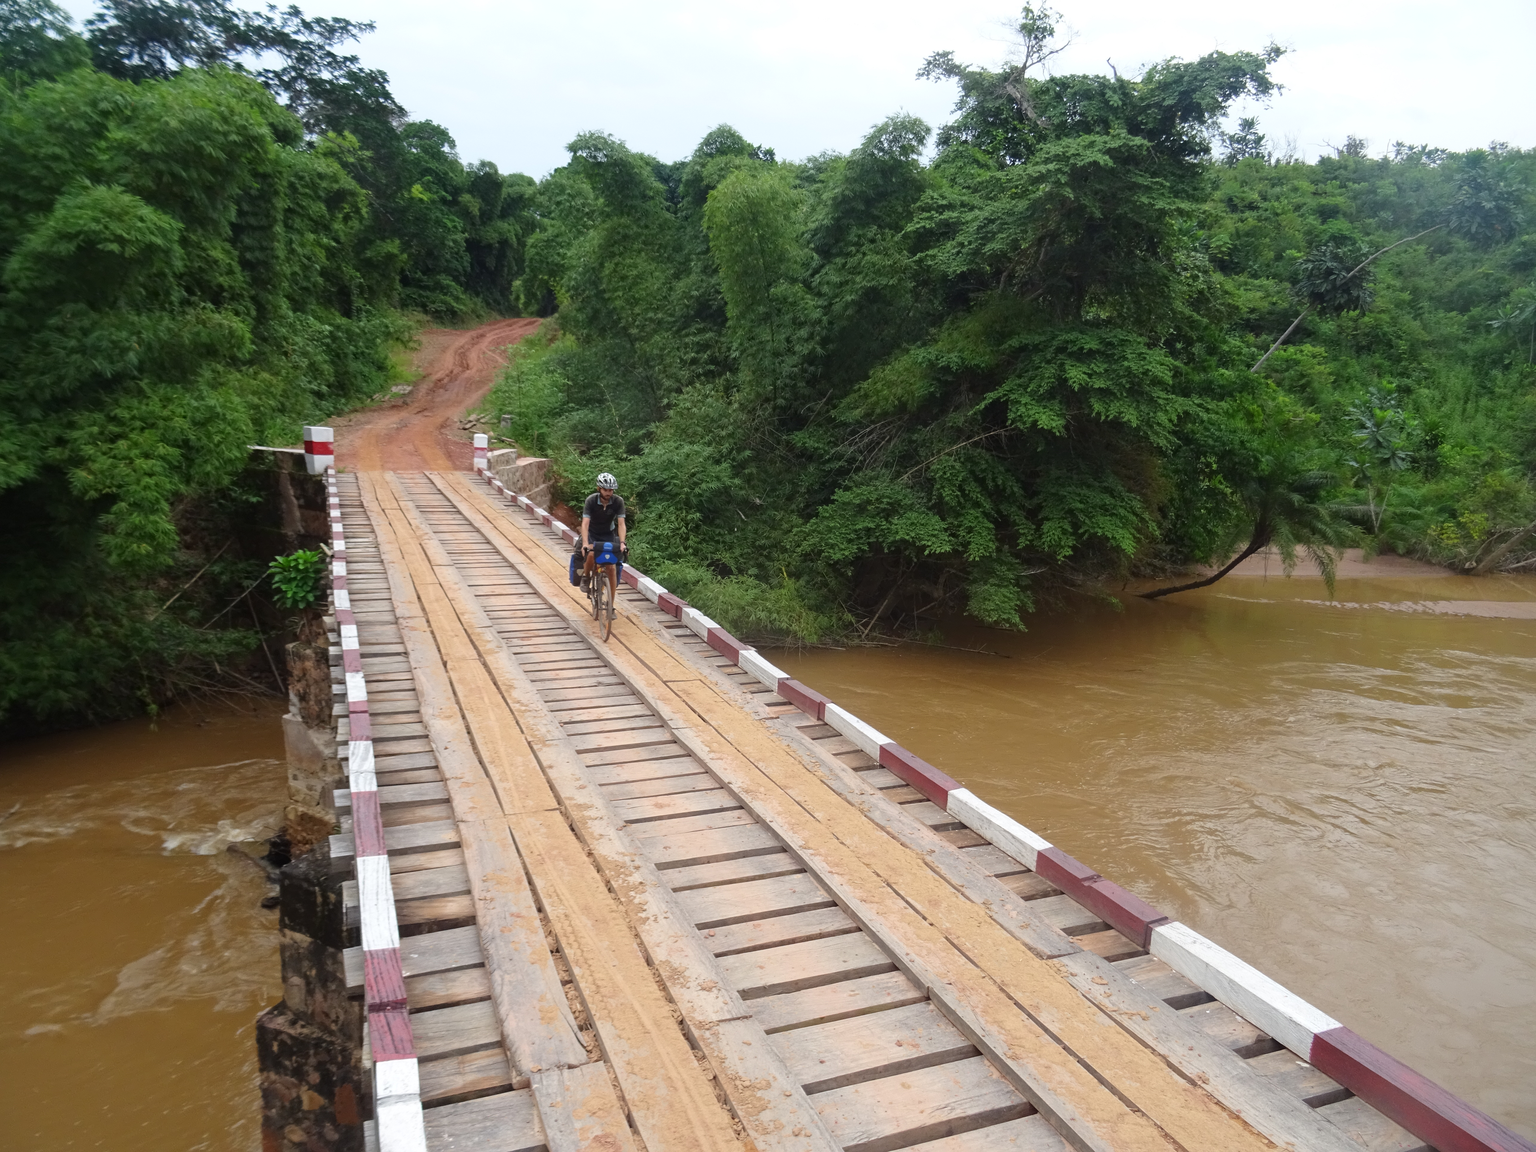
{"points": [[319, 448], [309, 1046]]}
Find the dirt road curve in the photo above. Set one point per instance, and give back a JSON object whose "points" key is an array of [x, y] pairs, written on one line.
{"points": [[420, 430]]}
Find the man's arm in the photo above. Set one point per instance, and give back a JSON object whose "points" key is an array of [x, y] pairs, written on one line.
{"points": [[622, 529], [586, 524]]}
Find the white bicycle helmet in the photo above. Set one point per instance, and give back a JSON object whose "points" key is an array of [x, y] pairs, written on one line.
{"points": [[606, 480]]}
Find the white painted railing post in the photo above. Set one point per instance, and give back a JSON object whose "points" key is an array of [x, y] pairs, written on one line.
{"points": [[482, 448], [319, 449]]}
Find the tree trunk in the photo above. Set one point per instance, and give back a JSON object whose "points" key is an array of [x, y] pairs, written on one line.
{"points": [[1284, 336], [1485, 565], [1358, 269], [1259, 541]]}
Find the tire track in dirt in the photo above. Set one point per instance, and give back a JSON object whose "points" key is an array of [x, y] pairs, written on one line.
{"points": [[419, 432]]}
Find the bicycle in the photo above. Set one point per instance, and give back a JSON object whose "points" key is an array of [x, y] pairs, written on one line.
{"points": [[601, 576]]}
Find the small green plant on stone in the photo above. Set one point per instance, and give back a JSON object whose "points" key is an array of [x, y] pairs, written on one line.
{"points": [[296, 578]]}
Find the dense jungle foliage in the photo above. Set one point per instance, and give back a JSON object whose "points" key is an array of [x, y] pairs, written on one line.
{"points": [[947, 372], [860, 391], [196, 254]]}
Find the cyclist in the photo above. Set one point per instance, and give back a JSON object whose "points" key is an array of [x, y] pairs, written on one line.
{"points": [[602, 518]]}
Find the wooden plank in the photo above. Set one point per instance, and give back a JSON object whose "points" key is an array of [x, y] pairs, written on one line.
{"points": [[446, 881], [420, 861], [733, 871], [795, 967], [753, 900], [639, 737], [616, 711], [451, 1031], [872, 1046], [1297, 1078], [1027, 885], [405, 839], [535, 1016], [574, 677], [505, 1122], [672, 1104], [644, 809], [402, 795], [1369, 1129], [993, 860], [396, 763], [434, 913], [690, 780], [929, 1103], [1163, 982], [1111, 945], [1029, 1134], [676, 827], [677, 849], [436, 989], [561, 700], [461, 1077], [1229, 1029], [400, 815], [434, 952], [1184, 1108], [638, 720], [579, 1110], [772, 932], [1066, 915], [650, 760]]}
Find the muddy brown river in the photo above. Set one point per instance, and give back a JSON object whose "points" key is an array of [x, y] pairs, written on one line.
{"points": [[1340, 792], [137, 954]]}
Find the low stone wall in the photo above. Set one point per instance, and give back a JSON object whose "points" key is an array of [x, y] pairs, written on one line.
{"points": [[529, 475]]}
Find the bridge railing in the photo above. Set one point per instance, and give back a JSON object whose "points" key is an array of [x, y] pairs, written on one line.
{"points": [[396, 1071]]}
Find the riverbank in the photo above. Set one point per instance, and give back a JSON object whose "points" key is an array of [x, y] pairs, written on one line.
{"points": [[129, 1014]]}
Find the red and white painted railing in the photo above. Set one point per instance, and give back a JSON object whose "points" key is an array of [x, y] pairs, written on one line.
{"points": [[1431, 1113], [396, 1074]]}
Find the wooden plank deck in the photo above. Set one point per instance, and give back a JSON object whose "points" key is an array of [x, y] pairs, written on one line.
{"points": [[628, 874]]}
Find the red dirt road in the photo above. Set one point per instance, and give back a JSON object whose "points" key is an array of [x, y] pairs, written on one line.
{"points": [[420, 432]]}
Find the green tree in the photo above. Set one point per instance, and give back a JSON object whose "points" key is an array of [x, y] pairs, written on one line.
{"points": [[179, 281], [1282, 492]]}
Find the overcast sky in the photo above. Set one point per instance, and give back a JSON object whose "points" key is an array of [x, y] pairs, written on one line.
{"points": [[515, 81]]}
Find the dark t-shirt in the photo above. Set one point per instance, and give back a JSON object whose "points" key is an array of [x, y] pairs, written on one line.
{"points": [[604, 520]]}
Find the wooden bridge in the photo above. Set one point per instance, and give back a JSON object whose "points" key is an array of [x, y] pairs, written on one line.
{"points": [[654, 894]]}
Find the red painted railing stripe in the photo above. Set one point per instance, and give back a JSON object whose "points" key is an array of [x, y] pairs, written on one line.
{"points": [[919, 773], [1430, 1112], [389, 1033], [383, 978], [726, 644], [367, 825], [808, 700]]}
